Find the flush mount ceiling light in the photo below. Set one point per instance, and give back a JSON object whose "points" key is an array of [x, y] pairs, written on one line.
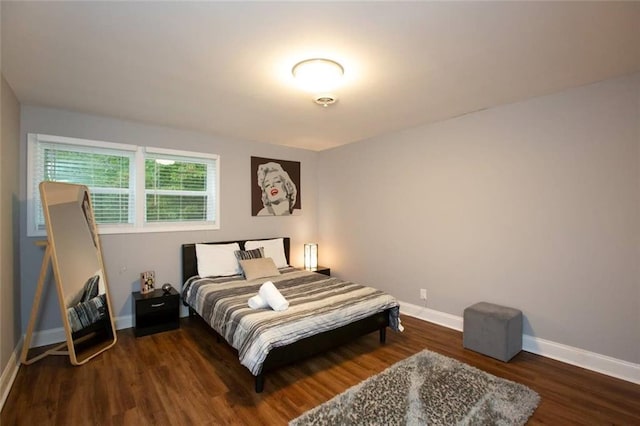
{"points": [[319, 76]]}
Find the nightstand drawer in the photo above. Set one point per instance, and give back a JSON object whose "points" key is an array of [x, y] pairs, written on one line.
{"points": [[157, 304]]}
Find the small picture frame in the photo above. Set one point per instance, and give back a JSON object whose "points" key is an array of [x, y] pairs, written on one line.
{"points": [[147, 282]]}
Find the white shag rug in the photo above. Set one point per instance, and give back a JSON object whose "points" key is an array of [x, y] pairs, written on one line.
{"points": [[427, 389]]}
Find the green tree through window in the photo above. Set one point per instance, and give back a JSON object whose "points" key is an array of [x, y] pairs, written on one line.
{"points": [[107, 176], [175, 190]]}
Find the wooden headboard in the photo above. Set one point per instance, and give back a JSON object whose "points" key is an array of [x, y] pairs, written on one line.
{"points": [[190, 262]]}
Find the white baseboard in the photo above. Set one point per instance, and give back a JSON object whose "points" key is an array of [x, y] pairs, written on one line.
{"points": [[575, 356], [604, 364], [47, 337], [436, 317], [125, 321], [9, 374], [57, 335]]}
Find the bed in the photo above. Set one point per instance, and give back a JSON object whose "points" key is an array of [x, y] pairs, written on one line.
{"points": [[324, 312]]}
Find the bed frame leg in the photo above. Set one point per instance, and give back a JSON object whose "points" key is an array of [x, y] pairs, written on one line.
{"points": [[192, 313], [259, 383], [383, 335]]}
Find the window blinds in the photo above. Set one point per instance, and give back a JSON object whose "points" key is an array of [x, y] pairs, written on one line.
{"points": [[107, 173]]}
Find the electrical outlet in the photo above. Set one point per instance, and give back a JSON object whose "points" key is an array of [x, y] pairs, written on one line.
{"points": [[423, 293]]}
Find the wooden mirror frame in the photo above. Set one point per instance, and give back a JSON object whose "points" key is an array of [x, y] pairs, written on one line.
{"points": [[70, 233]]}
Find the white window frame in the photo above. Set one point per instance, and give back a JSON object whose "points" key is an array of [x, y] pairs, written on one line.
{"points": [[137, 172]]}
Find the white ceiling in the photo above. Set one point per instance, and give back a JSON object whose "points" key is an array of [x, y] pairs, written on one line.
{"points": [[225, 68]]}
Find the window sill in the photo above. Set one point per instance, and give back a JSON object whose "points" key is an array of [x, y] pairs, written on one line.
{"points": [[112, 230]]}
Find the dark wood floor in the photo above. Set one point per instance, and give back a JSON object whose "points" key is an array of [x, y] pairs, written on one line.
{"points": [[186, 377]]}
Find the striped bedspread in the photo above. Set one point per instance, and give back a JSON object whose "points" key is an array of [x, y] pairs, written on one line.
{"points": [[317, 303]]}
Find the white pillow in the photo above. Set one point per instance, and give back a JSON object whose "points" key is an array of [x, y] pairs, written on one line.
{"points": [[217, 260], [272, 248]]}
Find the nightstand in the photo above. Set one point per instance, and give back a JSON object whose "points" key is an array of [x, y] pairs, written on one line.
{"points": [[156, 311], [321, 270]]}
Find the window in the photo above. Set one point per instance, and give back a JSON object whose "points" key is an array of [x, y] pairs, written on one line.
{"points": [[176, 188], [133, 189]]}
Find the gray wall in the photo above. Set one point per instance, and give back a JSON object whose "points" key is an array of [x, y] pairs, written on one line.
{"points": [[534, 205], [9, 210], [126, 255]]}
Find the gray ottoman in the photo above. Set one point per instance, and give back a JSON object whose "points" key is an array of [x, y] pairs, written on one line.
{"points": [[493, 330]]}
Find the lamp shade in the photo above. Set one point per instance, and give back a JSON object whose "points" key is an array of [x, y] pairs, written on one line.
{"points": [[318, 74], [310, 256]]}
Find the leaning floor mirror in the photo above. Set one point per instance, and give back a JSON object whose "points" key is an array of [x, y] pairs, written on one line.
{"points": [[73, 250]]}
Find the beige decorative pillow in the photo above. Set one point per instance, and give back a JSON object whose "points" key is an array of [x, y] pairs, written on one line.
{"points": [[259, 268]]}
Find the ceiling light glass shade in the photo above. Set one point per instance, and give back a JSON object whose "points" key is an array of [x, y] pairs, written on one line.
{"points": [[318, 75]]}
